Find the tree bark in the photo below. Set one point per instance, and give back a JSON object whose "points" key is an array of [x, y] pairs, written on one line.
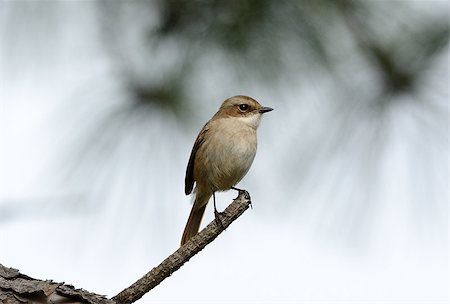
{"points": [[17, 288]]}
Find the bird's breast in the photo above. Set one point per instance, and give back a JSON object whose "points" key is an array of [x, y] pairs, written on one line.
{"points": [[227, 154]]}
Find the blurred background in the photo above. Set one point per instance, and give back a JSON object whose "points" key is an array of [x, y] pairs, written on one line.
{"points": [[101, 102]]}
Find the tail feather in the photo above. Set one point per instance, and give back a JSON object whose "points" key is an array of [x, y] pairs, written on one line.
{"points": [[195, 218]]}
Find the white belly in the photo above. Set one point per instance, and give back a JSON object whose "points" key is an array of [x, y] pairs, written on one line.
{"points": [[229, 154]]}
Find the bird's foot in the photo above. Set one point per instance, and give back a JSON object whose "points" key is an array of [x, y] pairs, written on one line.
{"points": [[217, 216], [242, 191]]}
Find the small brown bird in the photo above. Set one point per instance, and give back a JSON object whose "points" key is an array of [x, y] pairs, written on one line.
{"points": [[222, 155]]}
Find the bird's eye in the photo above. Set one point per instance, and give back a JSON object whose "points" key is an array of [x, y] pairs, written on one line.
{"points": [[243, 107]]}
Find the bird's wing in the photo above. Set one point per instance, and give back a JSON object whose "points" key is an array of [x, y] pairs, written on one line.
{"points": [[189, 179]]}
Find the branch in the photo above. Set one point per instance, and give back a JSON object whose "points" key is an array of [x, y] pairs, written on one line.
{"points": [[185, 252], [19, 288]]}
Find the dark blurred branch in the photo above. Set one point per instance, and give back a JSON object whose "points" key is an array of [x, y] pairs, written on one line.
{"points": [[395, 77], [185, 252], [399, 68]]}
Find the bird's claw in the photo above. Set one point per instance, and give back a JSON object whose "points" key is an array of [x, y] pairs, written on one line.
{"points": [[217, 215]]}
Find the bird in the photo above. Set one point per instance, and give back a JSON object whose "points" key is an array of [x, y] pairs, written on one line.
{"points": [[222, 155]]}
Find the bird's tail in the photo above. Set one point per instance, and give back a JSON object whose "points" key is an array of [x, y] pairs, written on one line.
{"points": [[195, 217]]}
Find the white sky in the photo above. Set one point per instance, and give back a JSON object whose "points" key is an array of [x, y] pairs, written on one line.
{"points": [[321, 249]]}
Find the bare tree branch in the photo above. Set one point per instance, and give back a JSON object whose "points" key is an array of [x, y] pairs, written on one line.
{"points": [[19, 288], [185, 252]]}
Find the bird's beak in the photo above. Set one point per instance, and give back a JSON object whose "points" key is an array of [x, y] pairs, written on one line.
{"points": [[265, 109]]}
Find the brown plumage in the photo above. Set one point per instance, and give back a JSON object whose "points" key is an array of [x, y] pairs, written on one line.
{"points": [[222, 154]]}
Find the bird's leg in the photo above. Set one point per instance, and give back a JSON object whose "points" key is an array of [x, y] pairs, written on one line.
{"points": [[216, 213], [245, 192]]}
